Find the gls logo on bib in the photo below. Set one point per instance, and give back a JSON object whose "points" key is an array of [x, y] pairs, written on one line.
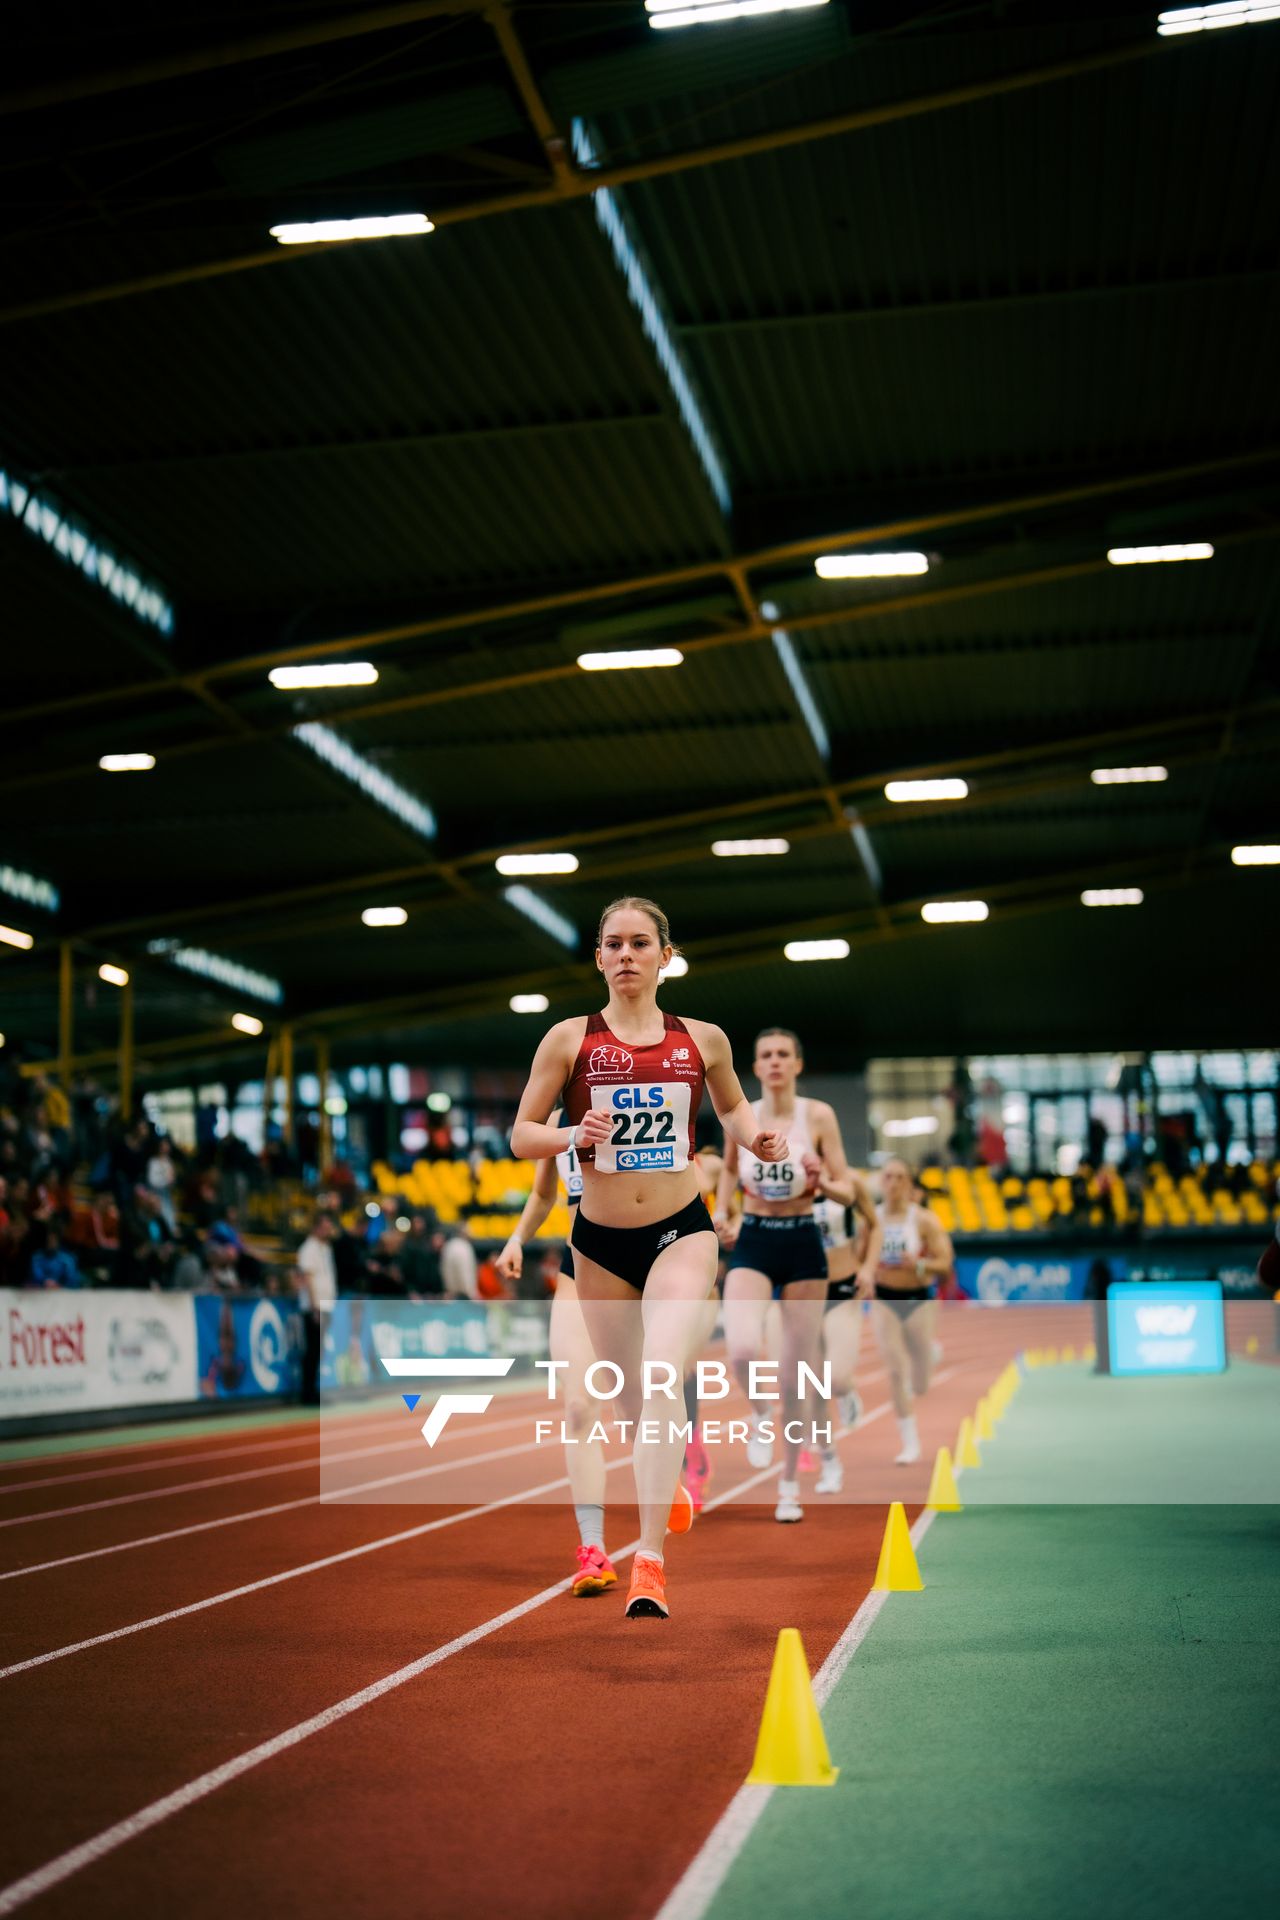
{"points": [[608, 1059]]}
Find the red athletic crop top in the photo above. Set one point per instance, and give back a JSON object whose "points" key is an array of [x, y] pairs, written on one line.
{"points": [[653, 1094]]}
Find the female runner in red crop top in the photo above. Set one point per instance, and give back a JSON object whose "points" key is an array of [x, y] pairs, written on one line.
{"points": [[645, 1254]]}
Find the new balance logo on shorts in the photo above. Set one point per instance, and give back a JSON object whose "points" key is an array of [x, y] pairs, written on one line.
{"points": [[666, 1239]]}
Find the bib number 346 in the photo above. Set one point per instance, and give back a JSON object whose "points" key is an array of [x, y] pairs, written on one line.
{"points": [[650, 1128]]}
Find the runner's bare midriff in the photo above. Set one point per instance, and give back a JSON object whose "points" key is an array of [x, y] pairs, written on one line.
{"points": [[636, 1199]]}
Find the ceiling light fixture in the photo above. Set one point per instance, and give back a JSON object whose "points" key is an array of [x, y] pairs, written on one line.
{"points": [[246, 1023], [869, 566], [386, 226], [1255, 856], [1233, 13], [918, 1123], [1127, 776], [114, 976], [903, 790], [384, 916], [696, 13], [542, 914], [1111, 897], [511, 863], [14, 937], [215, 966], [740, 849], [528, 1003], [338, 673], [943, 912], [632, 657], [676, 970], [817, 950], [127, 762], [1157, 556]]}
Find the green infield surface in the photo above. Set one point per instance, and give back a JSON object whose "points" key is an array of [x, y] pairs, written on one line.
{"points": [[1077, 1716]]}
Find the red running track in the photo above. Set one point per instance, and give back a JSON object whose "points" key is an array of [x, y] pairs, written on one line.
{"points": [[560, 1762]]}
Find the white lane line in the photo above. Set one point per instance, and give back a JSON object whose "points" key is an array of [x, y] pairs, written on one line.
{"points": [[233, 1479], [708, 1870], [54, 1872], [281, 1506], [178, 1460]]}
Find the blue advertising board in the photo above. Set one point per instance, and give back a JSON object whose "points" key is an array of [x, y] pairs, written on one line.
{"points": [[245, 1349], [1014, 1275], [1166, 1329]]}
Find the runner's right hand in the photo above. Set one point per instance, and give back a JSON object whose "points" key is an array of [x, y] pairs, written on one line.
{"points": [[510, 1262], [593, 1129]]}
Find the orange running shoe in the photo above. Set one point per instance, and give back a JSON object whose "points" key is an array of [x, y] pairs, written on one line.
{"points": [[680, 1518], [647, 1599], [697, 1470], [595, 1572]]}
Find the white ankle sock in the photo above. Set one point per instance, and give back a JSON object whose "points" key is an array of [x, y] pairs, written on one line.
{"points": [[643, 1553]]}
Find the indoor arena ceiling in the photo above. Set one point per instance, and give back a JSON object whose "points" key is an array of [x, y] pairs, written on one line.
{"points": [[996, 283]]}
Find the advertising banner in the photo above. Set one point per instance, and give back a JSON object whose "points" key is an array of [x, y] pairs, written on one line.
{"points": [[1177, 1329], [246, 1349], [71, 1352], [1000, 1277]]}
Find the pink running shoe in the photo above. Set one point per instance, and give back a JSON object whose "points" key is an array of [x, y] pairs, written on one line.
{"points": [[595, 1572], [697, 1470], [806, 1462]]}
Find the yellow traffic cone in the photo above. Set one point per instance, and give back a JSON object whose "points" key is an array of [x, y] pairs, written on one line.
{"points": [[1068, 1355], [967, 1454], [944, 1496], [791, 1748], [982, 1426], [897, 1571]]}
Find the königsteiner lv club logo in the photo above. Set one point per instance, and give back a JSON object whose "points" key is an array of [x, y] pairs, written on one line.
{"points": [[438, 1418]]}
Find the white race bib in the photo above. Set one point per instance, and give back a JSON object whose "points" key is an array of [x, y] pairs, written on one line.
{"points": [[570, 1172], [778, 1179], [650, 1127]]}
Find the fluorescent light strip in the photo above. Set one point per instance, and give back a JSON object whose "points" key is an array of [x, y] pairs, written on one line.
{"points": [[14, 937], [785, 650], [511, 863], [919, 1123], [900, 791], [246, 1023], [1234, 13], [869, 566], [127, 762], [543, 915], [738, 849], [636, 657], [1255, 856], [528, 1003], [114, 976], [1157, 556], [1111, 897], [1127, 776], [696, 13], [85, 552], [339, 673], [214, 966], [942, 912], [817, 950], [644, 297], [306, 233], [378, 786], [26, 886], [384, 916]]}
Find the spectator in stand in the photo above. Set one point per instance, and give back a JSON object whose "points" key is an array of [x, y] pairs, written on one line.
{"points": [[206, 1198], [95, 1235], [128, 1161], [385, 1276], [317, 1291], [162, 1172], [340, 1179], [15, 1236], [53, 1265], [148, 1252], [348, 1253], [458, 1266], [389, 1206], [420, 1259]]}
